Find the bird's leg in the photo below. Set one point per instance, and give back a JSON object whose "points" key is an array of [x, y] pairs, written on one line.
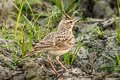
{"points": [[57, 58], [51, 63]]}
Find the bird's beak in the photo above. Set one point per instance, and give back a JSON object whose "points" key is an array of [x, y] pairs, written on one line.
{"points": [[76, 19]]}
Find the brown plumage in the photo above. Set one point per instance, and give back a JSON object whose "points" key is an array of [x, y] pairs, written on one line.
{"points": [[59, 42]]}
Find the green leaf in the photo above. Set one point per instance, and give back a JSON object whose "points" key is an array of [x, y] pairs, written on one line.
{"points": [[68, 56], [118, 58], [66, 5], [59, 4], [14, 54], [18, 18], [106, 67], [110, 59]]}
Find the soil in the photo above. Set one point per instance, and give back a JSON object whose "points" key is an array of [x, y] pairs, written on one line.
{"points": [[91, 57]]}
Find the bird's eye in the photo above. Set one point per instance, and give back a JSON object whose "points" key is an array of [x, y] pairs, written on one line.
{"points": [[70, 22]]}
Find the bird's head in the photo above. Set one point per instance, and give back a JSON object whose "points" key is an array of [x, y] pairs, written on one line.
{"points": [[67, 23]]}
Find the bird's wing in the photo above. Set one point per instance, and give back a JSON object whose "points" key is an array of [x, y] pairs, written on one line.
{"points": [[47, 41], [44, 45], [64, 40], [56, 41]]}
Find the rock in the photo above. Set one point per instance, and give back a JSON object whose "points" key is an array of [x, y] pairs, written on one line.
{"points": [[5, 9], [5, 73], [33, 71], [102, 9], [19, 77]]}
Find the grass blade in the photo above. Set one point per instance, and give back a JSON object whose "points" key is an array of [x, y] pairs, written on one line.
{"points": [[30, 9], [118, 58], [59, 4], [66, 5], [18, 18]]}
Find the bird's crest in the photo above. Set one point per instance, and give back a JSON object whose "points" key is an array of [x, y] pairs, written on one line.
{"points": [[66, 15]]}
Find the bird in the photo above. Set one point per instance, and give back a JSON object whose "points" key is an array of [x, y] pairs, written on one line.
{"points": [[57, 43]]}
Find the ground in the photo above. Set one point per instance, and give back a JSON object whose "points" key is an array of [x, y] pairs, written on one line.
{"points": [[96, 52]]}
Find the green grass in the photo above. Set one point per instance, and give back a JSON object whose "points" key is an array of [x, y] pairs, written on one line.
{"points": [[118, 36], [97, 31], [69, 6], [27, 30], [115, 61], [18, 19], [31, 31], [117, 23], [69, 57], [118, 4], [117, 30], [23, 36], [5, 33]]}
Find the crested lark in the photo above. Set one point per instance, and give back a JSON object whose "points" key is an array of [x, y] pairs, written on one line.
{"points": [[59, 42]]}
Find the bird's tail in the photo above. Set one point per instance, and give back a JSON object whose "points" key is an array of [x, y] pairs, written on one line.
{"points": [[32, 53]]}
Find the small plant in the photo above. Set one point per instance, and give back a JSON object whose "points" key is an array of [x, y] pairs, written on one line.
{"points": [[98, 31], [117, 23], [117, 29], [27, 30], [18, 19], [69, 6], [118, 36], [31, 31], [118, 4], [115, 61], [70, 59]]}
